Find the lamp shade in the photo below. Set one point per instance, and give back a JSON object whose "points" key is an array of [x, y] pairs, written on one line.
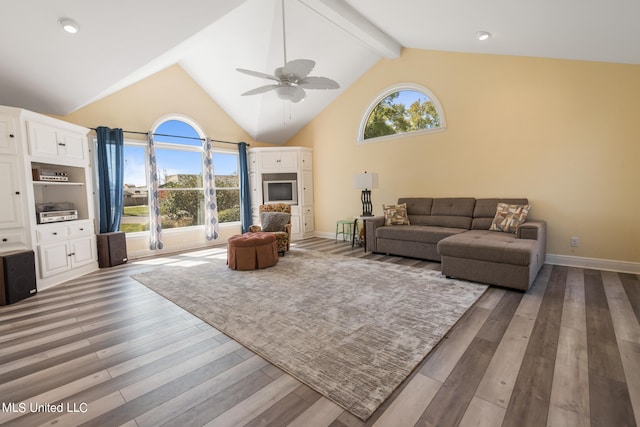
{"points": [[365, 180]]}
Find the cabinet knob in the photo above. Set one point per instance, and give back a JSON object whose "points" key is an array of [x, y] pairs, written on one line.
{"points": [[62, 144], [11, 135], [55, 233], [17, 192], [81, 229], [5, 240]]}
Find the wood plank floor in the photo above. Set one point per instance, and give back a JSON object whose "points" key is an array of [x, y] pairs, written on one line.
{"points": [[112, 352]]}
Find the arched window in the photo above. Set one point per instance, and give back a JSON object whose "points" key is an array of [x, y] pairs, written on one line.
{"points": [[399, 110], [178, 145], [178, 148]]}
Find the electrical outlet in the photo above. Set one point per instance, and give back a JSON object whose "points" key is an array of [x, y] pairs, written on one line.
{"points": [[575, 242]]}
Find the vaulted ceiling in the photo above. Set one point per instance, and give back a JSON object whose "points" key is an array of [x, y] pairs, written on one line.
{"points": [[120, 42]]}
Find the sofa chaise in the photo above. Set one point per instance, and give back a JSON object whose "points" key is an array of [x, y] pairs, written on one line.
{"points": [[456, 232]]}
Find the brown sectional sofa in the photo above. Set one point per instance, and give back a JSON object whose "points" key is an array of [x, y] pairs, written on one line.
{"points": [[455, 231]]}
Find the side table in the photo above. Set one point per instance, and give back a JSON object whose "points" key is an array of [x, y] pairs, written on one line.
{"points": [[356, 232]]}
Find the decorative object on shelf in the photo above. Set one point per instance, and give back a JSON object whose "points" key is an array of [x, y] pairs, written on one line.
{"points": [[366, 181]]}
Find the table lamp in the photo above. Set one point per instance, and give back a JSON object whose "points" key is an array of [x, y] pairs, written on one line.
{"points": [[366, 181]]}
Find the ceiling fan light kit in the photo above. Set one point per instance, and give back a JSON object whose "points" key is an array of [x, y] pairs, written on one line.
{"points": [[293, 78]]}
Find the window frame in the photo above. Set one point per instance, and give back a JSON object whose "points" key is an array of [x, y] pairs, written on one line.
{"points": [[360, 139], [186, 148], [145, 147], [161, 145]]}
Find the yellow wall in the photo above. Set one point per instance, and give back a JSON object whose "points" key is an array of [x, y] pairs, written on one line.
{"points": [[138, 107], [565, 134]]}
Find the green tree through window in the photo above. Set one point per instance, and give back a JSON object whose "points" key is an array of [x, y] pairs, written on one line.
{"points": [[400, 112]]}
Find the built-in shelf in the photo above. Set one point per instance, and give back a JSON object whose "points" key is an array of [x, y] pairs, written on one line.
{"points": [[58, 183], [45, 162]]}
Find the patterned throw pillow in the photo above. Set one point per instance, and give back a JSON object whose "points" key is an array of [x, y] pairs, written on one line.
{"points": [[509, 217], [274, 221], [395, 214]]}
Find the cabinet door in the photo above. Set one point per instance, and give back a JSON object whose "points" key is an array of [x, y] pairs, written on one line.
{"points": [[307, 160], [296, 229], [307, 188], [307, 219], [54, 258], [43, 140], [252, 159], [276, 160], [82, 251], [12, 239], [288, 160], [8, 143], [52, 142], [256, 191], [71, 145], [10, 193], [269, 161]]}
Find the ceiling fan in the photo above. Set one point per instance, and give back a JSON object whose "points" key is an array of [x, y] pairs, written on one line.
{"points": [[293, 78]]}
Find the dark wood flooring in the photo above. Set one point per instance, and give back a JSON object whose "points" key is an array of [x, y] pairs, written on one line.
{"points": [[107, 351]]}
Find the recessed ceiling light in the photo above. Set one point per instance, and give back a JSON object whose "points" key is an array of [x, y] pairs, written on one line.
{"points": [[69, 25], [483, 35]]}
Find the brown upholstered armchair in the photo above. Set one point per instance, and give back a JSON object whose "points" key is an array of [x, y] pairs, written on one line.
{"points": [[278, 224]]}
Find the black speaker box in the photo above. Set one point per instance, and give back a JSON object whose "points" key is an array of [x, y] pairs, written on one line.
{"points": [[18, 276], [112, 249]]}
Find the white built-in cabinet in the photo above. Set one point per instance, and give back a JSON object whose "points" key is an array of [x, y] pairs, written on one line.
{"points": [[30, 141], [12, 194], [268, 162], [51, 143], [63, 247], [278, 161]]}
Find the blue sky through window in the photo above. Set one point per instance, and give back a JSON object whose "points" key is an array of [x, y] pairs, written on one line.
{"points": [[408, 97], [171, 161]]}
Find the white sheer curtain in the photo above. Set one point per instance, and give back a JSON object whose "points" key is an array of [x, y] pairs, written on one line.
{"points": [[155, 227], [211, 223]]}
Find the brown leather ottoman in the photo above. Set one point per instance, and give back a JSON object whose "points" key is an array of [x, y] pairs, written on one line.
{"points": [[252, 250]]}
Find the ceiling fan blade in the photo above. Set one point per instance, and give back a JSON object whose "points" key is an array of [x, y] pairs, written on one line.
{"points": [[257, 74], [298, 67], [261, 89], [319, 83], [298, 95]]}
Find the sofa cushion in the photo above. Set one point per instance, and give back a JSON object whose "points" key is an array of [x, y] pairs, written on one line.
{"points": [[485, 211], [417, 233], [418, 208], [492, 246], [509, 217], [455, 212], [395, 214]]}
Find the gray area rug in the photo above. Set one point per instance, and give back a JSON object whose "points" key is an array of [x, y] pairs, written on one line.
{"points": [[351, 329]]}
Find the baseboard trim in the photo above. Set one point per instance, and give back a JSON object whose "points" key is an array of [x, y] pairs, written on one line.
{"points": [[325, 235], [594, 263]]}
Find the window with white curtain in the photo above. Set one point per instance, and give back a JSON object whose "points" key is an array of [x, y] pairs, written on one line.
{"points": [[180, 170]]}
